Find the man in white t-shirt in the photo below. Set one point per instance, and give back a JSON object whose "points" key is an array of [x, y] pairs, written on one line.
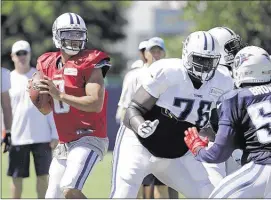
{"points": [[31, 131], [125, 93], [5, 109]]}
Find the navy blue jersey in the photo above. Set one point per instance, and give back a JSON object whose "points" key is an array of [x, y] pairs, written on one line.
{"points": [[248, 112]]}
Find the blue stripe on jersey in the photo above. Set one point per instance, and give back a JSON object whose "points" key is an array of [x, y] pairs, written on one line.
{"points": [[77, 18], [71, 19], [205, 41]]}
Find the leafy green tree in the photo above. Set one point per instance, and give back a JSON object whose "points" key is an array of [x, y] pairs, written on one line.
{"points": [[33, 20], [250, 19], [173, 45]]}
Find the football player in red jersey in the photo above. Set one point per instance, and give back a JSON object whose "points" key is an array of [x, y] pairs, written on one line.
{"points": [[74, 77]]}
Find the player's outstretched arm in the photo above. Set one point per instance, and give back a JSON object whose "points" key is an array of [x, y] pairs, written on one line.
{"points": [[141, 103], [221, 149], [92, 102]]}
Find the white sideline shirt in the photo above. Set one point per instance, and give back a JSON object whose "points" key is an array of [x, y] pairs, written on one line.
{"points": [[5, 80], [131, 84], [29, 125]]}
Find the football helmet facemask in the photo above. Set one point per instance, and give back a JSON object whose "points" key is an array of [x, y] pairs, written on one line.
{"points": [[201, 55], [230, 43]]}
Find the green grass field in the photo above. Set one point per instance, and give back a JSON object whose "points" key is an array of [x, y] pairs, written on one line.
{"points": [[96, 186]]}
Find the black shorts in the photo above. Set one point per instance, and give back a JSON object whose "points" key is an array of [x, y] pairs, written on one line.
{"points": [[19, 159], [151, 179]]}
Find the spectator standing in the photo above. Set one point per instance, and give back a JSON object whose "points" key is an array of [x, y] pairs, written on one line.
{"points": [[126, 93], [31, 131]]}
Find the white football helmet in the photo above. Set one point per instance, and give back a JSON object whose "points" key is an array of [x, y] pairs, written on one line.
{"points": [[229, 43], [251, 65], [201, 55], [70, 33]]}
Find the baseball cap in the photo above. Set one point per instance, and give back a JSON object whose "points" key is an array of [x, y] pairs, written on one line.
{"points": [[20, 45], [142, 45], [155, 41]]}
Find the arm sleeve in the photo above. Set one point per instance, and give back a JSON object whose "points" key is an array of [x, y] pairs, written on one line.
{"points": [[105, 65], [222, 148], [224, 143], [5, 80], [50, 118], [42, 61], [98, 60]]}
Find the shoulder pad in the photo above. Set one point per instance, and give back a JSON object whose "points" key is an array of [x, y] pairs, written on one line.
{"points": [[95, 56], [172, 68], [45, 59], [228, 95]]}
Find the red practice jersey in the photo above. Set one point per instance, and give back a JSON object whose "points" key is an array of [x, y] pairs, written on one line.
{"points": [[72, 123]]}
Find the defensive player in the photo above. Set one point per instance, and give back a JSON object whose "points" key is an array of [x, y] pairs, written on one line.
{"points": [[75, 80], [244, 122], [230, 43], [174, 95]]}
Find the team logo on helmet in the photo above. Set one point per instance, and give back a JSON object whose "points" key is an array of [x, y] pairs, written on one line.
{"points": [[240, 59]]}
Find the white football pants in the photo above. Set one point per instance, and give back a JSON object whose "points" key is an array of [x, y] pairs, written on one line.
{"points": [[250, 181], [132, 162], [72, 171], [234, 162]]}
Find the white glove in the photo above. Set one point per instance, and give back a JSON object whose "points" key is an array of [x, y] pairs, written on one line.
{"points": [[147, 128]]}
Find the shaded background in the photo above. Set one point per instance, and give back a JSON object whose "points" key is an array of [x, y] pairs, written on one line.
{"points": [[117, 27]]}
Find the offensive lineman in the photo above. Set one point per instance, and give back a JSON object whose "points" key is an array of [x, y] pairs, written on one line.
{"points": [[175, 94], [74, 78], [244, 122]]}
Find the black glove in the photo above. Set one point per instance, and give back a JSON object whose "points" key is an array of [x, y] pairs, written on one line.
{"points": [[208, 131], [7, 142]]}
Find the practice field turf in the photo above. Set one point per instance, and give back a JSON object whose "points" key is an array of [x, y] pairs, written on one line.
{"points": [[96, 186]]}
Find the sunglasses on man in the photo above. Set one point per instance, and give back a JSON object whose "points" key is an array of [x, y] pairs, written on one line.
{"points": [[21, 53]]}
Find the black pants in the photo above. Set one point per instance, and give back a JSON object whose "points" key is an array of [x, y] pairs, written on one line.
{"points": [[19, 159], [151, 179]]}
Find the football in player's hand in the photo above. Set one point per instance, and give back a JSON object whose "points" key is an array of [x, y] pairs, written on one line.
{"points": [[44, 102]]}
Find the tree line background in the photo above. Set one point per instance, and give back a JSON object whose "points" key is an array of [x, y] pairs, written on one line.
{"points": [[32, 21], [250, 19]]}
